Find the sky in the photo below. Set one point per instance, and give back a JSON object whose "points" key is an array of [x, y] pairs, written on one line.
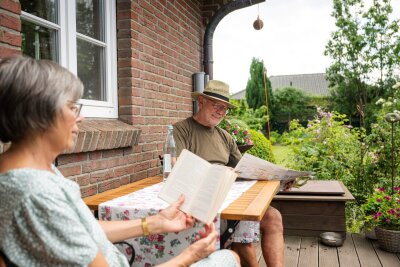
{"points": [[292, 40]]}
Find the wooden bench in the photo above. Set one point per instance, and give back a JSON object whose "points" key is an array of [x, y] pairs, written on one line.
{"points": [[311, 215]]}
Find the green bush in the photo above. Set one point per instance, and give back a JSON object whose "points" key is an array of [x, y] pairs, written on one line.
{"points": [[262, 146]]}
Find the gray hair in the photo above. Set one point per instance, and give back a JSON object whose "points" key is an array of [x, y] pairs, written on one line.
{"points": [[32, 93]]}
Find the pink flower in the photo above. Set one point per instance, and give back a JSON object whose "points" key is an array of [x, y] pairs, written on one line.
{"points": [[381, 189], [387, 197], [235, 132], [391, 211]]}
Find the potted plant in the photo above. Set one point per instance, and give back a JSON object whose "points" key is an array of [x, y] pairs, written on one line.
{"points": [[240, 134], [382, 212]]}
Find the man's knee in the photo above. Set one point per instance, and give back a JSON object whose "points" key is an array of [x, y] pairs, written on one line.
{"points": [[272, 221]]}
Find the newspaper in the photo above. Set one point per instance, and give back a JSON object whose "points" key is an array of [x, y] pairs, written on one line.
{"points": [[252, 167]]}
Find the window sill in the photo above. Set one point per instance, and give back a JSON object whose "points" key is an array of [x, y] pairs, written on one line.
{"points": [[100, 134]]}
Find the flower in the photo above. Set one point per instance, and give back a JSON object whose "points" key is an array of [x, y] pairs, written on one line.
{"points": [[241, 135], [383, 210]]}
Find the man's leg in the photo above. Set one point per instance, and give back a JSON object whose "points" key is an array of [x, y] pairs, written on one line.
{"points": [[272, 243], [247, 254]]}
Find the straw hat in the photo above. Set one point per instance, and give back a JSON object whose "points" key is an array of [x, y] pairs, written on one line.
{"points": [[215, 90]]}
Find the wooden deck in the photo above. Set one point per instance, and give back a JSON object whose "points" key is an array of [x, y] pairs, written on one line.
{"points": [[357, 251]]}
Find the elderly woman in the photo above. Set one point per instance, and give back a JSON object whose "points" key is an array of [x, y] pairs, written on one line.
{"points": [[44, 221]]}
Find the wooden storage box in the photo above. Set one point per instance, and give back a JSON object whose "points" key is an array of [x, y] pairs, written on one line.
{"points": [[311, 215]]}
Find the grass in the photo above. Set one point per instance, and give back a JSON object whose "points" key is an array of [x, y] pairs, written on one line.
{"points": [[280, 154]]}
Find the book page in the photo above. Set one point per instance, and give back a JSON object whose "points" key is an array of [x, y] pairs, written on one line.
{"points": [[252, 167], [204, 185], [212, 192], [185, 178]]}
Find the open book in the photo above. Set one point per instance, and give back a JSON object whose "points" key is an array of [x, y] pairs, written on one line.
{"points": [[252, 167], [204, 185]]}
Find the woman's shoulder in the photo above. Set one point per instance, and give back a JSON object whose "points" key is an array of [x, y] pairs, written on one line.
{"points": [[22, 183], [22, 177]]}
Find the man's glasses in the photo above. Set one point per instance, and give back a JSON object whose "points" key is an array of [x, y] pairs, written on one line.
{"points": [[76, 108], [219, 107]]}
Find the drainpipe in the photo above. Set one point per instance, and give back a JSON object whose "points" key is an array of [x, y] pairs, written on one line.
{"points": [[209, 33]]}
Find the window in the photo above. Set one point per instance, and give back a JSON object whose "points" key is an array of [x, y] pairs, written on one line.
{"points": [[80, 35]]}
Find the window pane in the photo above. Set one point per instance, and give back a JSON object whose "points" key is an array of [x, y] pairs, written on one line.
{"points": [[45, 9], [89, 18], [39, 42], [91, 69]]}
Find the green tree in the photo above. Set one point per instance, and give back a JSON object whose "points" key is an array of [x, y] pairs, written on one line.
{"points": [[347, 49], [365, 52], [382, 37], [291, 103], [255, 93]]}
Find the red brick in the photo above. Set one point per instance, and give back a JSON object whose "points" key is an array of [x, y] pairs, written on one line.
{"points": [[83, 180], [7, 52], [70, 170], [112, 153], [10, 22], [10, 38], [10, 5], [99, 176], [72, 158], [89, 191]]}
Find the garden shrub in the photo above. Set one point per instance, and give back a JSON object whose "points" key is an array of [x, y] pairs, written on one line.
{"points": [[262, 146]]}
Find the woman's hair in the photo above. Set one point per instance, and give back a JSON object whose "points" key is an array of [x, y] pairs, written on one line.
{"points": [[32, 93]]}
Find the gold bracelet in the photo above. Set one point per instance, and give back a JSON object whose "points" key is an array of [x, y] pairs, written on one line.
{"points": [[145, 228]]}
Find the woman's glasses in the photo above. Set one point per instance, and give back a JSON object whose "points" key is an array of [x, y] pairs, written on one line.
{"points": [[76, 108]]}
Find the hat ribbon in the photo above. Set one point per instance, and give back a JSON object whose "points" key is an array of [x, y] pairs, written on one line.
{"points": [[217, 96]]}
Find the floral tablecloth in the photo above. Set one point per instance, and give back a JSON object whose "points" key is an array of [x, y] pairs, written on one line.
{"points": [[159, 248]]}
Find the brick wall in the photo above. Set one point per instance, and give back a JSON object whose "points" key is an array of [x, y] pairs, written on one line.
{"points": [[159, 48], [10, 27]]}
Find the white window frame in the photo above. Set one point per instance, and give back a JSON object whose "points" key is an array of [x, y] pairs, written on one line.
{"points": [[67, 53]]}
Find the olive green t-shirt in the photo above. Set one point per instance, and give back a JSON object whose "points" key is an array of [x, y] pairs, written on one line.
{"points": [[212, 144]]}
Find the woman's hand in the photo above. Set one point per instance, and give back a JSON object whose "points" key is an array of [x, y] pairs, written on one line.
{"points": [[172, 219], [204, 246]]}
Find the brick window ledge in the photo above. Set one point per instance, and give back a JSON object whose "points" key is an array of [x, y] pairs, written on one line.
{"points": [[98, 134]]}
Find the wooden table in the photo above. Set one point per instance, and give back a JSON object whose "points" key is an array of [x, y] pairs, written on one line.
{"points": [[250, 206], [246, 201]]}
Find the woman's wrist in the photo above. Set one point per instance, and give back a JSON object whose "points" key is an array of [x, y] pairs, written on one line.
{"points": [[184, 259], [153, 225]]}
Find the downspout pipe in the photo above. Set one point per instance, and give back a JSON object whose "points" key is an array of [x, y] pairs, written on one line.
{"points": [[212, 25]]}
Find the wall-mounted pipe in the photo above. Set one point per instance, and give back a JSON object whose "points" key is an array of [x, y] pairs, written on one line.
{"points": [[209, 33]]}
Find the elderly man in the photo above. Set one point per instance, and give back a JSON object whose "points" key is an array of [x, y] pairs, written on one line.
{"points": [[201, 135]]}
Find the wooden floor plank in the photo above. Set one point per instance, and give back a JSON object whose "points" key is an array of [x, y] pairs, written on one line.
{"points": [[260, 258], [328, 256], [365, 251], [292, 250], [262, 263], [347, 253], [308, 252], [387, 259]]}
